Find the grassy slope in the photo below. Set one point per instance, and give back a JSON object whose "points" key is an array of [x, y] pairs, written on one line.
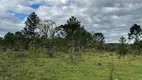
{"points": [[60, 68]]}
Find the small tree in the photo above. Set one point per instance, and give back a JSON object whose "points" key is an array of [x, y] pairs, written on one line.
{"points": [[19, 40], [47, 29], [135, 32], [99, 37], [137, 45], [72, 31], [82, 38], [1, 43], [122, 47], [31, 27], [99, 40], [9, 40]]}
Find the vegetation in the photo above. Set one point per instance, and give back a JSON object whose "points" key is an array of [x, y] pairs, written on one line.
{"points": [[45, 51], [60, 68], [122, 47]]}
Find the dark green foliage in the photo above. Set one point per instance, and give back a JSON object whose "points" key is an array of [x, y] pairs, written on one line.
{"points": [[96, 42], [135, 32], [9, 40], [31, 25], [137, 47], [30, 29], [112, 46], [61, 45], [99, 37], [2, 46], [15, 41], [19, 40], [122, 47], [99, 41], [71, 28], [72, 38], [1, 42], [75, 33]]}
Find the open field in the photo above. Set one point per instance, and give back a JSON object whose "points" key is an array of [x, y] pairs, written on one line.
{"points": [[70, 40], [88, 67]]}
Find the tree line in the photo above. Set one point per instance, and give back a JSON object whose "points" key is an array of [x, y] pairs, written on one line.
{"points": [[71, 37], [39, 34]]}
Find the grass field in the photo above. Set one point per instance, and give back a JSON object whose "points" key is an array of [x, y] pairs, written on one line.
{"points": [[88, 67]]}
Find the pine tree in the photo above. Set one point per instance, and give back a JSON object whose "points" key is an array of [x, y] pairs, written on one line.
{"points": [[122, 47], [31, 25], [30, 28]]}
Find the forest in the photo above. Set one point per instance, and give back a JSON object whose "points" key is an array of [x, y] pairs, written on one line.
{"points": [[43, 50]]}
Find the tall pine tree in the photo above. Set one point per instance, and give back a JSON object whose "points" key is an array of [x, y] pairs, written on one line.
{"points": [[31, 25], [30, 28]]}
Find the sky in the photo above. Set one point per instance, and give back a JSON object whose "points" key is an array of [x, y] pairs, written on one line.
{"points": [[113, 18]]}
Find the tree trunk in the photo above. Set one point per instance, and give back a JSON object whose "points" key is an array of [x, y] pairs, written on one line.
{"points": [[73, 52]]}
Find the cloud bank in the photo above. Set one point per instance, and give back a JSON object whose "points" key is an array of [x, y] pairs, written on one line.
{"points": [[111, 17]]}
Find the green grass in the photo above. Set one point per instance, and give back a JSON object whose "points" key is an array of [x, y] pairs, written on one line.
{"points": [[60, 68]]}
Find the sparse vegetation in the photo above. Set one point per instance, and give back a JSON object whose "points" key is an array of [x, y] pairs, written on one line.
{"points": [[14, 67], [45, 51]]}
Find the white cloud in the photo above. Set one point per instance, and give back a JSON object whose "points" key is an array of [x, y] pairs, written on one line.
{"points": [[19, 6], [111, 17]]}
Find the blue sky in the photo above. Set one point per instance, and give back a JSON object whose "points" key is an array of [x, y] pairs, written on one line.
{"points": [[113, 18], [35, 6], [19, 15], [22, 16]]}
